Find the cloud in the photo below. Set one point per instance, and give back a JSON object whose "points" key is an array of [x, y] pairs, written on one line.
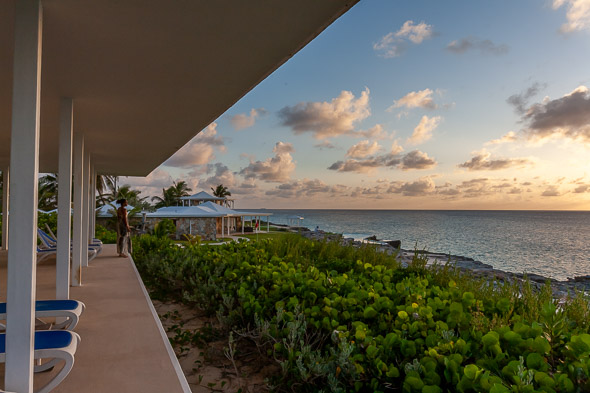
{"points": [[472, 43], [306, 187], [566, 117], [151, 184], [507, 138], [577, 15], [394, 44], [582, 188], [521, 100], [551, 191], [363, 149], [483, 162], [421, 187], [415, 99], [241, 121], [325, 145], [327, 119], [423, 130], [412, 160], [221, 175], [417, 160], [274, 169], [375, 132], [199, 151]]}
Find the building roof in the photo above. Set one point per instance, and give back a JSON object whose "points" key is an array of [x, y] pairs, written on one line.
{"points": [[184, 212], [202, 196], [147, 76], [106, 211], [207, 209]]}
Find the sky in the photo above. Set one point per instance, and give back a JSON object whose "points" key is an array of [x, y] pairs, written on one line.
{"points": [[411, 105]]}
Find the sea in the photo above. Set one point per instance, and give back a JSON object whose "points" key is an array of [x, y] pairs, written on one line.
{"points": [[554, 244]]}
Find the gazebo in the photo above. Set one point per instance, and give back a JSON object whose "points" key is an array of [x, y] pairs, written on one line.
{"points": [[202, 197], [78, 77]]}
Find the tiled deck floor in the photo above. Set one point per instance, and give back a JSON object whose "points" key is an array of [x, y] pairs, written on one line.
{"points": [[122, 349]]}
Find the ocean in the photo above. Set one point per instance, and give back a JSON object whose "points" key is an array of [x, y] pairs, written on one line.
{"points": [[554, 244]]}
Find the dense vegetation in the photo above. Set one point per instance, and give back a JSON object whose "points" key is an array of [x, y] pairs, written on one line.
{"points": [[345, 319]]}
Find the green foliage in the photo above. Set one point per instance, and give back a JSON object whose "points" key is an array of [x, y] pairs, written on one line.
{"points": [[105, 235], [49, 219], [351, 319], [164, 228]]}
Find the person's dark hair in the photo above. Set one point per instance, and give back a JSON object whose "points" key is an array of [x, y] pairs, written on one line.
{"points": [[120, 201]]}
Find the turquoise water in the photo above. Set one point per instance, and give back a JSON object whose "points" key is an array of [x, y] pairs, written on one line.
{"points": [[553, 244]]}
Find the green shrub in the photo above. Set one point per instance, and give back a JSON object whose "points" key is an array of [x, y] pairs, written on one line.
{"points": [[351, 319], [105, 235]]}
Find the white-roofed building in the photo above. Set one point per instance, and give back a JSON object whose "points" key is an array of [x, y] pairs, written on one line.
{"points": [[207, 220]]}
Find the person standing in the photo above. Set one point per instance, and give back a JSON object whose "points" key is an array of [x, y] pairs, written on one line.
{"points": [[123, 230]]}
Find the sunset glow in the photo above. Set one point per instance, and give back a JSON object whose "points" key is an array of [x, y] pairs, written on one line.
{"points": [[412, 105]]}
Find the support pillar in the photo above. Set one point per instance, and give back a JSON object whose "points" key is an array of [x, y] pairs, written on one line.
{"points": [[76, 266], [85, 207], [64, 200], [5, 205], [24, 164]]}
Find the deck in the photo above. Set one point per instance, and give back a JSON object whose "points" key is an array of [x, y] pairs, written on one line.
{"points": [[122, 348]]}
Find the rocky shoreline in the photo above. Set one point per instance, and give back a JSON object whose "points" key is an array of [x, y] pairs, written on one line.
{"points": [[476, 268]]}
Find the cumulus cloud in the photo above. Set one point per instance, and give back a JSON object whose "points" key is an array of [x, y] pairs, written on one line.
{"points": [[415, 99], [376, 132], [327, 119], [363, 149], [472, 43], [393, 159], [274, 169], [582, 188], [483, 162], [220, 174], [242, 120], [507, 138], [521, 100], [325, 145], [551, 191], [394, 43], [568, 116], [577, 15], [417, 160], [423, 130], [421, 187], [199, 151], [306, 187], [151, 184]]}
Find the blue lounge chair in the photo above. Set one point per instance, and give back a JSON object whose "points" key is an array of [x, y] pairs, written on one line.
{"points": [[50, 236], [57, 345], [69, 309], [49, 247]]}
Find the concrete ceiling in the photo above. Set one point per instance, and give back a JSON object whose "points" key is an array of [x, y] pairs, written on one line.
{"points": [[147, 75]]}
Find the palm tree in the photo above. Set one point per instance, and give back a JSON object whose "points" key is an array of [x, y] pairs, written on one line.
{"points": [[181, 189], [47, 193], [106, 188], [220, 191], [171, 195]]}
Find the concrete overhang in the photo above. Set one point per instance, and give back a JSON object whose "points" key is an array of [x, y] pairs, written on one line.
{"points": [[147, 75]]}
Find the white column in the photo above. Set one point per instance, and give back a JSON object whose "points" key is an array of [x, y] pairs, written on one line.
{"points": [[5, 205], [76, 266], [85, 207], [24, 164], [64, 200]]}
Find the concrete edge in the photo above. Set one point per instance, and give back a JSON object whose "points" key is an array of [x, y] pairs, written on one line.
{"points": [[181, 377]]}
